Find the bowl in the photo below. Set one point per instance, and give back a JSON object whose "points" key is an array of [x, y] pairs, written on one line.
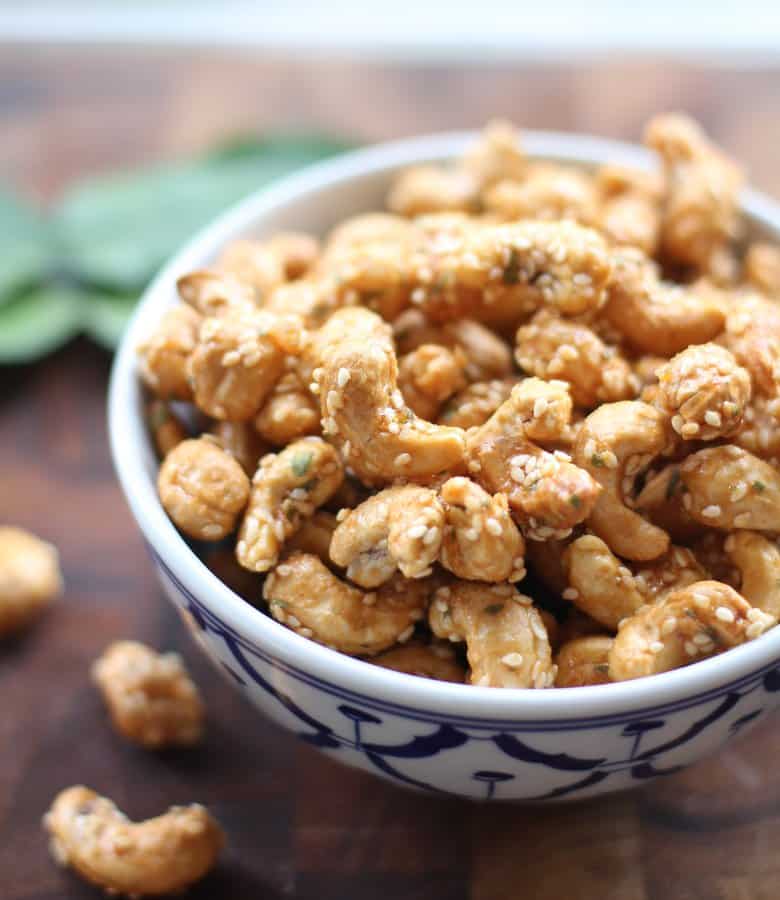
{"points": [[475, 742]]}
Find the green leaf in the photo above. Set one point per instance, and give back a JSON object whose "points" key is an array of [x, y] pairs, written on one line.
{"points": [[106, 316], [37, 323], [301, 462], [25, 246], [118, 230]]}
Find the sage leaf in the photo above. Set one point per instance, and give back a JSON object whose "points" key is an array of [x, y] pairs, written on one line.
{"points": [[39, 322], [25, 246]]}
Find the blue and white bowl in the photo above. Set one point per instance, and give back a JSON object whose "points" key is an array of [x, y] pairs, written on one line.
{"points": [[435, 736]]}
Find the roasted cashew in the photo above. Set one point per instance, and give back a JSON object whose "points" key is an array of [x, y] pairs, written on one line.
{"points": [[661, 500], [659, 317], [166, 429], [630, 207], [242, 442], [297, 252], [481, 542], [368, 228], [287, 488], [704, 391], [497, 154], [30, 578], [700, 620], [431, 189], [435, 660], [599, 584], [290, 412], [213, 293], [150, 697], [701, 215], [676, 569], [730, 488], [164, 355], [548, 192], [753, 336], [760, 431], [548, 495], [475, 404], [506, 641], [164, 855], [254, 264], [552, 347], [758, 560], [428, 376], [203, 489], [398, 528], [762, 268], [584, 661], [380, 438], [616, 442], [305, 595], [314, 536]]}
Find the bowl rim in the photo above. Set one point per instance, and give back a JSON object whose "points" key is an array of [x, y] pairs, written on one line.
{"points": [[129, 448]]}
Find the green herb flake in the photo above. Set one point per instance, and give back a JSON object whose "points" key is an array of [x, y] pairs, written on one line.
{"points": [[493, 609], [601, 668], [512, 270], [759, 487], [672, 484], [575, 501], [301, 463], [597, 461]]}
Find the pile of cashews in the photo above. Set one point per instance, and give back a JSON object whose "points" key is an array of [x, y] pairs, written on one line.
{"points": [[518, 429]]}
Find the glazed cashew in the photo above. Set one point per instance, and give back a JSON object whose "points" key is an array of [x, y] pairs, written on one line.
{"points": [[297, 252], [547, 192], [203, 489], [676, 569], [213, 293], [661, 500], [730, 488], [599, 584], [552, 347], [398, 528], [166, 430], [616, 442], [30, 578], [428, 376], [363, 410], [762, 268], [436, 660], [290, 412], [753, 336], [497, 154], [430, 189], [506, 641], [705, 392], [698, 621], [314, 536], [368, 228], [481, 542], [630, 207], [701, 211], [760, 431], [659, 317], [163, 356], [255, 264], [584, 661], [150, 697], [306, 596], [758, 560], [242, 442], [164, 855], [548, 495], [475, 404], [287, 488]]}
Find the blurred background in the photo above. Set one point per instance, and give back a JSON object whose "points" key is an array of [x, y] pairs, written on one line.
{"points": [[123, 127]]}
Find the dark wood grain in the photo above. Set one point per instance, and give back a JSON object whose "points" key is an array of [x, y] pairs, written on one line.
{"points": [[300, 825]]}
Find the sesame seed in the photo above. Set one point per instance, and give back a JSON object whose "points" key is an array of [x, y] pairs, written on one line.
{"points": [[431, 536], [656, 647], [416, 531], [305, 632], [669, 625], [724, 614], [293, 621], [691, 649], [342, 377], [711, 512], [403, 459], [512, 660], [493, 526], [571, 593], [369, 599], [713, 418], [471, 534], [702, 639], [404, 636]]}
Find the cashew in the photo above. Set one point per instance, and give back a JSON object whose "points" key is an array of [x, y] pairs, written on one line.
{"points": [[150, 697], [428, 189], [166, 429], [758, 560], [599, 584], [297, 252], [552, 347], [290, 412], [368, 228], [661, 500], [242, 442], [548, 192], [584, 661], [497, 154], [615, 443], [506, 641], [700, 620], [762, 268], [676, 569], [398, 528], [254, 264], [548, 495], [659, 317], [760, 431], [213, 293], [630, 207], [30, 578], [428, 376], [203, 489], [314, 536], [730, 488], [164, 355], [363, 410], [436, 660], [305, 595], [287, 488], [753, 336], [164, 855], [475, 404], [705, 392], [481, 542]]}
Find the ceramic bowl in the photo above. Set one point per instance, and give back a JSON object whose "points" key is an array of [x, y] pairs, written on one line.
{"points": [[434, 736]]}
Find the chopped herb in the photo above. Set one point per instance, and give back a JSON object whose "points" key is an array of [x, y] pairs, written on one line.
{"points": [[494, 608], [596, 460], [602, 668], [759, 486], [281, 603], [575, 501], [301, 462], [671, 487], [512, 270]]}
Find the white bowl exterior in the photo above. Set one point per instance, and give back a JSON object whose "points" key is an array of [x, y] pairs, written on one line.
{"points": [[471, 741]]}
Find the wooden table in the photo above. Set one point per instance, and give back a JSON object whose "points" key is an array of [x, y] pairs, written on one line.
{"points": [[300, 825]]}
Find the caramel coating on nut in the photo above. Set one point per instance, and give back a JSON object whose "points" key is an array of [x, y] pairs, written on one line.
{"points": [[753, 335], [255, 264], [676, 569], [160, 856], [30, 578], [150, 697], [547, 192], [475, 404], [314, 536], [552, 347], [429, 375], [758, 561], [290, 412], [214, 293], [698, 621], [164, 355], [203, 489], [661, 500], [306, 596], [584, 661], [287, 488], [435, 660], [630, 213], [506, 641]]}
